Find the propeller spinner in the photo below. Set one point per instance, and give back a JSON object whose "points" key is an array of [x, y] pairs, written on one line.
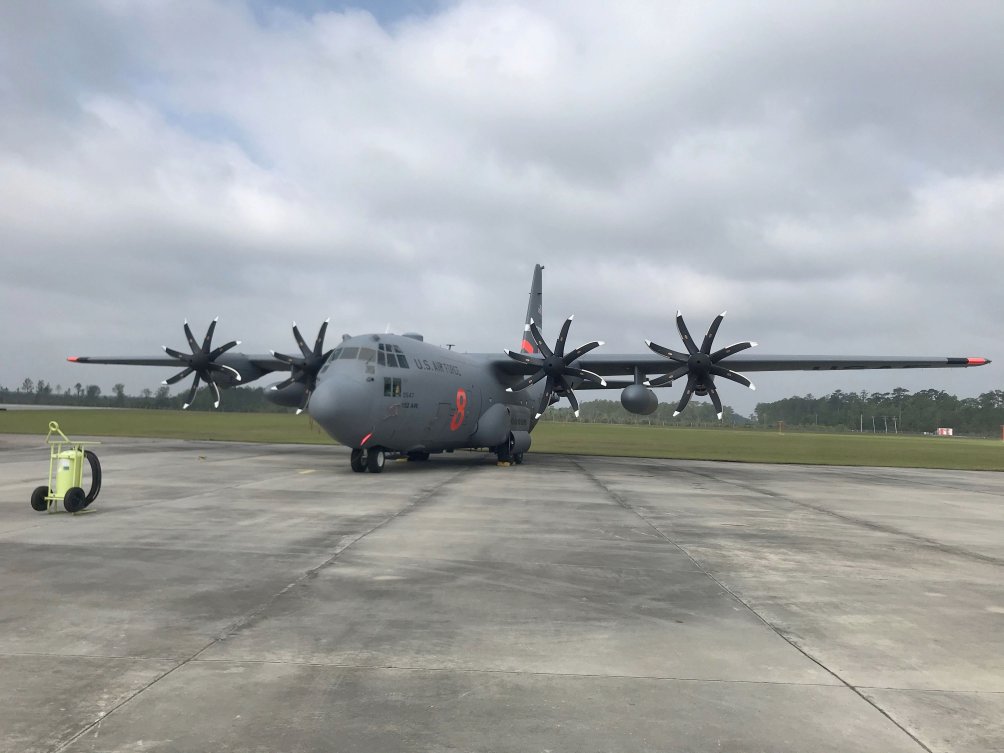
{"points": [[699, 364], [554, 366]]}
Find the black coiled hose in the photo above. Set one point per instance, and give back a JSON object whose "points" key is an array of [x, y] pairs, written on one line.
{"points": [[95, 477]]}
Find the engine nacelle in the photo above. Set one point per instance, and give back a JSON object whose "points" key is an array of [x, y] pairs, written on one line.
{"points": [[239, 363], [288, 397], [639, 399]]}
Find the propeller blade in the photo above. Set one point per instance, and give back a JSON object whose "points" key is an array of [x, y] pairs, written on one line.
{"points": [[319, 342], [685, 334], [224, 348], [524, 359], [667, 379], [191, 392], [303, 404], [541, 345], [284, 358], [663, 351], [713, 394], [191, 338], [587, 375], [545, 399], [581, 351], [574, 403], [300, 341], [209, 335], [176, 354], [527, 382], [179, 376], [735, 377], [688, 391], [712, 331], [284, 383], [216, 392], [559, 345], [718, 355]]}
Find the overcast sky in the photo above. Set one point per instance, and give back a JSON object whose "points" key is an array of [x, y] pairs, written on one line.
{"points": [[831, 173]]}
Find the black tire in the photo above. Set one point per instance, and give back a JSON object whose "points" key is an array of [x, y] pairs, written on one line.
{"points": [[92, 495], [75, 499], [38, 501], [358, 460], [375, 460], [418, 457], [518, 457]]}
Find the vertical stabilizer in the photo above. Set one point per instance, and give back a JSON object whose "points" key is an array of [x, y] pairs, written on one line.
{"points": [[534, 310]]}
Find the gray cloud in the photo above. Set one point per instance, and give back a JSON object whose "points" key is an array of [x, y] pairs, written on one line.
{"points": [[831, 174]]}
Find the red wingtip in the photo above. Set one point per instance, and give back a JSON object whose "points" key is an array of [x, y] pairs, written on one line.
{"points": [[977, 361], [72, 358]]}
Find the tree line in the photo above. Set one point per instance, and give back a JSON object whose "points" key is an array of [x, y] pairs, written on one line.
{"points": [[898, 411]]}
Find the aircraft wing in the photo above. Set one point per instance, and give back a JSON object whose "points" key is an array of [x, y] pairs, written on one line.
{"points": [[248, 366], [613, 365], [616, 365]]}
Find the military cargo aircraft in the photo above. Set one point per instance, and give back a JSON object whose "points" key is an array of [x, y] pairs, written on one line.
{"points": [[387, 394]]}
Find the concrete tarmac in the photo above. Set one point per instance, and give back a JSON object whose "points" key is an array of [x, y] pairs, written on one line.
{"points": [[241, 597]]}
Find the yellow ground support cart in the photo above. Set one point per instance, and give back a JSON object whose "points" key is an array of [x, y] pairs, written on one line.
{"points": [[66, 471]]}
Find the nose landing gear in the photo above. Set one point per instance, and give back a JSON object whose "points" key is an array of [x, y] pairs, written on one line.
{"points": [[372, 460]]}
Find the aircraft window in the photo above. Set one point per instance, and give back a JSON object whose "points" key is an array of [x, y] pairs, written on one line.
{"points": [[350, 353], [367, 354], [391, 387], [334, 355], [381, 358], [402, 361]]}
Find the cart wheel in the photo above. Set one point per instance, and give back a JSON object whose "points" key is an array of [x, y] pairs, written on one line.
{"points": [[38, 501], [74, 499]]}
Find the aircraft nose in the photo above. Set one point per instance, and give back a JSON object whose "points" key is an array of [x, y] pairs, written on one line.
{"points": [[342, 409]]}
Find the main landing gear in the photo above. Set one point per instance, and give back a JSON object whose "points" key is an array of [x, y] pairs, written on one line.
{"points": [[371, 460]]}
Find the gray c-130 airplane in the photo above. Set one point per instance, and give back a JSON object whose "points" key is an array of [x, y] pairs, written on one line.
{"points": [[386, 394]]}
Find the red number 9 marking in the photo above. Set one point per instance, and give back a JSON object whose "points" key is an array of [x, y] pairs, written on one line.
{"points": [[458, 417]]}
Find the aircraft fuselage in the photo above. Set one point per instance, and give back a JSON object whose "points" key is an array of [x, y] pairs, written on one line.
{"points": [[404, 395]]}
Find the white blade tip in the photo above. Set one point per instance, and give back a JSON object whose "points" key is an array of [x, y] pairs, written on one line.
{"points": [[753, 345], [299, 411], [723, 313], [216, 404], [753, 387], [185, 406], [603, 382], [676, 413], [508, 389], [576, 414], [719, 416], [538, 416]]}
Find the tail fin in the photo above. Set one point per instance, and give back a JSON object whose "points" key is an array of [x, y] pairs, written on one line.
{"points": [[534, 310]]}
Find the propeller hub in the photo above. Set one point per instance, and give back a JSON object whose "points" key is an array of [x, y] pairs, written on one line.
{"points": [[699, 362]]}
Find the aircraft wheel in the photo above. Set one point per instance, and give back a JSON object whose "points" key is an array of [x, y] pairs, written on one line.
{"points": [[375, 459], [518, 457], [358, 460], [38, 503], [74, 499]]}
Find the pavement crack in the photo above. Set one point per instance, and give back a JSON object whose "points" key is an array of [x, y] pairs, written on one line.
{"points": [[256, 614], [777, 631]]}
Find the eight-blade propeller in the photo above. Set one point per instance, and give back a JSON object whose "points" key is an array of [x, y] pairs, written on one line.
{"points": [[304, 370], [201, 361], [699, 364], [554, 366]]}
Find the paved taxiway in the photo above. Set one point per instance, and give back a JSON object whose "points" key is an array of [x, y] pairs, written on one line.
{"points": [[231, 597]]}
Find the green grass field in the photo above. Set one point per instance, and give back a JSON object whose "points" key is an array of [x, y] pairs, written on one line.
{"points": [[572, 438]]}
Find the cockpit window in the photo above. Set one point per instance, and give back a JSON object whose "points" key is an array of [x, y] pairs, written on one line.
{"points": [[350, 352], [391, 355], [366, 354]]}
